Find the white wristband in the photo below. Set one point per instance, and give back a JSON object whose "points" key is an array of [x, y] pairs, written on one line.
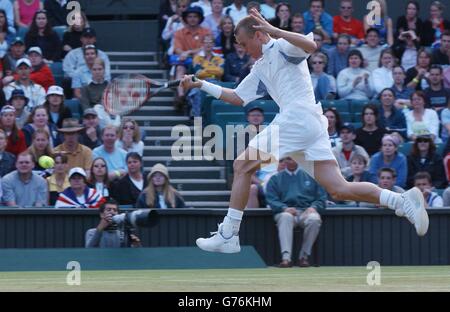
{"points": [[210, 88]]}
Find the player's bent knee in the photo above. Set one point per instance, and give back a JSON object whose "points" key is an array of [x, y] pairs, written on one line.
{"points": [[243, 167]]}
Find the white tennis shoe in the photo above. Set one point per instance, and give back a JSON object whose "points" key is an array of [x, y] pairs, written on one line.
{"points": [[414, 209], [219, 243]]}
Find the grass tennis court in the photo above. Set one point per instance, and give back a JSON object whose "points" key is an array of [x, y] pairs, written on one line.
{"points": [[426, 278]]}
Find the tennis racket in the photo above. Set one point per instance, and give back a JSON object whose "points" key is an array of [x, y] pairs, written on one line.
{"points": [[127, 93]]}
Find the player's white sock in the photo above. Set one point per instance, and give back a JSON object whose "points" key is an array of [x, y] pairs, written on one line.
{"points": [[233, 220], [391, 199]]}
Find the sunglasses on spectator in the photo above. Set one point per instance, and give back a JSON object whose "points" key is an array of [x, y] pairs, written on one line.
{"points": [[422, 140]]}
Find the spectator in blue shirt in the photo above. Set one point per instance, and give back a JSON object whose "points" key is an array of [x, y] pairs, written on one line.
{"points": [[391, 118], [317, 19], [236, 63], [83, 75], [338, 56], [402, 93]]}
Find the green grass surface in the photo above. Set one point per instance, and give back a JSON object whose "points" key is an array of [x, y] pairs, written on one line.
{"points": [[426, 278]]}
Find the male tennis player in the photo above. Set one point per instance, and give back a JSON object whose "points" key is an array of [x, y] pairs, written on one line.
{"points": [[282, 72]]}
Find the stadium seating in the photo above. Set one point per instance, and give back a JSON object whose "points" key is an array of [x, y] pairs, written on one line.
{"points": [[60, 31], [75, 108], [356, 106], [57, 71], [340, 105]]}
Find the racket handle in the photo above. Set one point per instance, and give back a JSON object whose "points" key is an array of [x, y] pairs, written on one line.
{"points": [[176, 83]]}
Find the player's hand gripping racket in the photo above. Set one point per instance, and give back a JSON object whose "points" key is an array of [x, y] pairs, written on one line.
{"points": [[128, 93]]}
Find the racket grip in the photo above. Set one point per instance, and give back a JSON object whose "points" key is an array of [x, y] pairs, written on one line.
{"points": [[176, 83]]}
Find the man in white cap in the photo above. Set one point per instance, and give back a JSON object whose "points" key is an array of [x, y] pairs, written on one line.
{"points": [[79, 195], [41, 73], [57, 112], [34, 92]]}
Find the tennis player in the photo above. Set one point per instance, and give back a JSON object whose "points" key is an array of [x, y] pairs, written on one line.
{"points": [[281, 70]]}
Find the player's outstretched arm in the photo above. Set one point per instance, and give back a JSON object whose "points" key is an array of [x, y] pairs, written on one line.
{"points": [[298, 40], [224, 94]]}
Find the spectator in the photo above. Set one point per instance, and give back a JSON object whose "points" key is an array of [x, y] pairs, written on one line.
{"points": [[7, 160], [75, 58], [338, 56], [40, 146], [174, 23], [268, 9], [390, 157], [422, 180], [226, 38], [435, 25], [385, 26], [41, 34], [391, 119], [257, 195], [98, 177], [318, 39], [57, 12], [77, 154], [317, 19], [371, 51], [72, 37], [441, 55], [423, 157], [358, 169], [159, 193], [421, 119], [296, 200], [406, 48], [438, 97], [130, 137], [15, 136], [3, 46], [109, 235], [127, 189], [417, 77], [39, 120], [90, 136], [58, 181], [282, 17], [6, 28], [370, 134], [16, 53], [411, 20], [6, 5], [236, 63], [298, 23], [41, 74], [347, 149], [402, 93], [23, 187], [345, 23], [92, 94], [167, 9], [187, 43], [324, 84], [18, 100], [334, 125], [382, 76], [25, 12], [354, 82], [447, 77], [55, 106], [212, 21], [236, 11], [34, 92], [253, 5], [205, 5], [83, 75], [114, 156], [78, 194]]}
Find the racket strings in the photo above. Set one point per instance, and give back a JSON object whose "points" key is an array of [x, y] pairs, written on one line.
{"points": [[125, 95]]}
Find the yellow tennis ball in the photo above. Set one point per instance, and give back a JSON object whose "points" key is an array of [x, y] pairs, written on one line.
{"points": [[46, 162]]}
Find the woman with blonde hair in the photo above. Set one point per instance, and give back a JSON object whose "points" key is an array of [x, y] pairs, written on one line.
{"points": [[39, 147], [59, 180], [130, 137], [159, 193]]}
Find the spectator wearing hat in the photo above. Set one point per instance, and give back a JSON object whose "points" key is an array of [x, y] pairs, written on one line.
{"points": [[40, 73], [75, 58], [23, 187], [83, 75], [423, 157], [188, 42], [236, 11], [18, 100], [7, 160], [126, 190], [390, 157], [54, 104], [159, 193], [114, 156], [41, 34], [59, 180], [92, 93], [33, 91], [16, 52], [16, 142], [345, 151], [39, 120], [90, 136], [77, 154], [78, 194], [421, 119]]}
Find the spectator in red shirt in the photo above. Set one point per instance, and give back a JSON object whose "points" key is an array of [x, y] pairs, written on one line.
{"points": [[346, 24], [41, 73]]}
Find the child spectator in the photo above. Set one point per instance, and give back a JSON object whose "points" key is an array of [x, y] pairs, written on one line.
{"points": [[422, 180]]}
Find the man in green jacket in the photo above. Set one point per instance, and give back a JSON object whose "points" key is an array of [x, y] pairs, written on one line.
{"points": [[296, 200]]}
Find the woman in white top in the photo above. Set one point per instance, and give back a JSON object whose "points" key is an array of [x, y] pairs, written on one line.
{"points": [[353, 82], [98, 178], [130, 137], [382, 76], [421, 120]]}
